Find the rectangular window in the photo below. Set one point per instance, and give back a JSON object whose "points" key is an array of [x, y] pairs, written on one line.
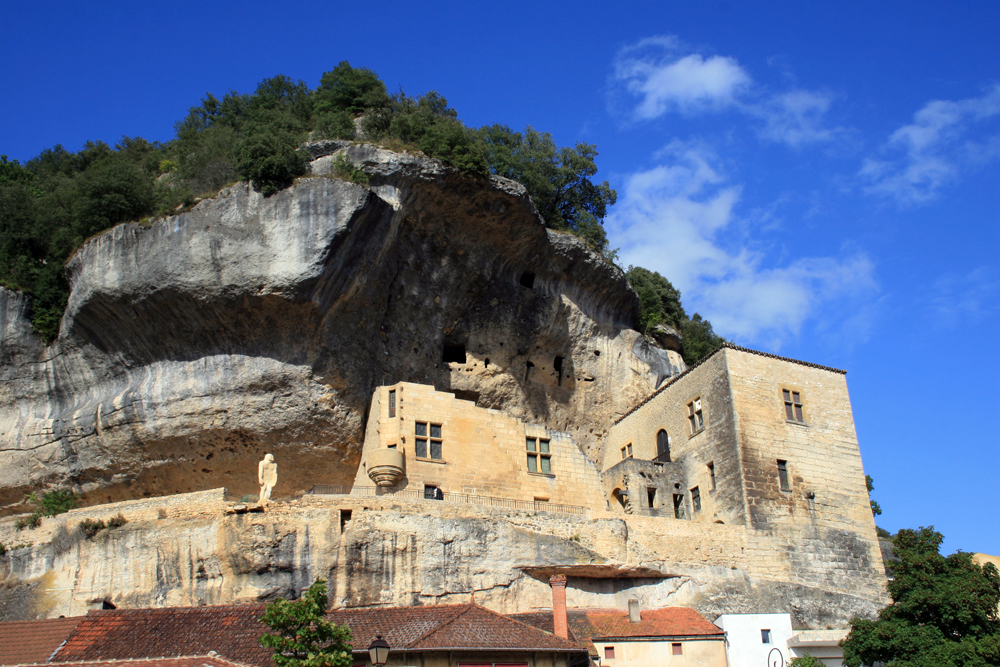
{"points": [[765, 636], [627, 451], [609, 652], [651, 496], [677, 649], [432, 492], [711, 476], [392, 403], [783, 475], [428, 440], [678, 505], [695, 416], [539, 455], [793, 406], [696, 499]]}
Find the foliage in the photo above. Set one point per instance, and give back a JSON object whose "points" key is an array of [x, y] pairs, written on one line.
{"points": [[54, 502], [882, 533], [91, 527], [345, 169], [3, 549], [557, 179], [806, 660], [53, 203], [117, 521], [660, 303], [33, 520], [944, 610], [876, 510], [301, 637]]}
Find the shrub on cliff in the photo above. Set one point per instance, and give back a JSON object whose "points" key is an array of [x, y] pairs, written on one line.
{"points": [[943, 611], [660, 303]]}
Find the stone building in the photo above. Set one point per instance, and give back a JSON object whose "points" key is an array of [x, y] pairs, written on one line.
{"points": [[743, 438]]}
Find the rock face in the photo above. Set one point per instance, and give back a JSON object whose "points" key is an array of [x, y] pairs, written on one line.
{"points": [[246, 325], [185, 550]]}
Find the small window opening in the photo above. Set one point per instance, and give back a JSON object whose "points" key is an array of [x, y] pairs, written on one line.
{"points": [[392, 446], [711, 476], [651, 496], [558, 366], [424, 446], [539, 455], [527, 370], [453, 352], [677, 649], [609, 652], [392, 403], [793, 406], [345, 518], [528, 279], [783, 475], [627, 451], [678, 505], [486, 362], [662, 447], [695, 416], [432, 492], [696, 499], [765, 636]]}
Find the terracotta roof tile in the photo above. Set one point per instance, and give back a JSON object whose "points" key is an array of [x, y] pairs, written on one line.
{"points": [[588, 624], [233, 631], [33, 641], [183, 661]]}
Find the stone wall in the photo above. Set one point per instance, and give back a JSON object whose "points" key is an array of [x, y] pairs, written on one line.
{"points": [[483, 451], [384, 551]]}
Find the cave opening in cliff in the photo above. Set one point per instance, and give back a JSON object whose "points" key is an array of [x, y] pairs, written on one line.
{"points": [[453, 352], [527, 370], [528, 279], [558, 366]]}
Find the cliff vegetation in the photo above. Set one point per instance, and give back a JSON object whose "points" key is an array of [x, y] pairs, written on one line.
{"points": [[57, 200]]}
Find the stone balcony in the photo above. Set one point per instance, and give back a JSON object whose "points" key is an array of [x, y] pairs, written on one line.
{"points": [[386, 467]]}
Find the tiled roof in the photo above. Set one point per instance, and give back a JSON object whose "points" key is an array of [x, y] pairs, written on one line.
{"points": [[461, 626], [183, 661], [666, 622], [233, 631], [229, 630], [33, 641]]}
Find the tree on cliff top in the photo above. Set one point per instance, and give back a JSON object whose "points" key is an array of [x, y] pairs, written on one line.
{"points": [[660, 303], [943, 613], [301, 636]]}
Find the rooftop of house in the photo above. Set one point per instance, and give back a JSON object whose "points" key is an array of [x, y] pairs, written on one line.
{"points": [[208, 660], [33, 641], [591, 624], [234, 630]]}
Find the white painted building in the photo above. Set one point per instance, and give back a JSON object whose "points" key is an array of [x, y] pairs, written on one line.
{"points": [[755, 640]]}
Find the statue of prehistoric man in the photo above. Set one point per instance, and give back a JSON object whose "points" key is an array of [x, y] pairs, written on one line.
{"points": [[267, 477]]}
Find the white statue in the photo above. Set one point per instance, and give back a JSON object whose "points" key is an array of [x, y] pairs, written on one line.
{"points": [[267, 477]]}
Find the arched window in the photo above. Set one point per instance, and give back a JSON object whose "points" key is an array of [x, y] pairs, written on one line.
{"points": [[662, 447]]}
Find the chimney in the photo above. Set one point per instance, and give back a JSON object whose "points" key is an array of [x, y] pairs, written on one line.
{"points": [[559, 624], [633, 611]]}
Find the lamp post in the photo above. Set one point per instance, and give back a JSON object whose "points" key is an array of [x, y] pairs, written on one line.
{"points": [[378, 651]]}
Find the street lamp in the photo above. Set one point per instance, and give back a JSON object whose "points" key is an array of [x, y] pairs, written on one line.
{"points": [[378, 651]]}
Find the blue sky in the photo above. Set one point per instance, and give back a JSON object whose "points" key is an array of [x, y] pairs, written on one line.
{"points": [[819, 179]]}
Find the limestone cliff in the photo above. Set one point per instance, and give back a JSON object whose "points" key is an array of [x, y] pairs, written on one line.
{"points": [[191, 346], [185, 550]]}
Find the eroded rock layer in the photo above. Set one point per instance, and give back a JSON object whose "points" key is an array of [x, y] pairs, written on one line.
{"points": [[192, 346]]}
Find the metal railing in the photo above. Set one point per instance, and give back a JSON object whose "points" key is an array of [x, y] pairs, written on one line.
{"points": [[485, 501]]}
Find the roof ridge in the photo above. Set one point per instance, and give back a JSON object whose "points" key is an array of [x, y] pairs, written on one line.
{"points": [[207, 656], [537, 629], [437, 628]]}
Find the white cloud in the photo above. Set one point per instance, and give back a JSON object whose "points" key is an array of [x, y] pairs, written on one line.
{"points": [[666, 79], [674, 219], [957, 300], [668, 76], [929, 153], [796, 117]]}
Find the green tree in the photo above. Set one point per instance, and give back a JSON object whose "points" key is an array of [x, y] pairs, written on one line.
{"points": [[876, 510], [354, 90], [558, 180], [660, 303], [300, 635], [806, 660], [943, 611]]}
